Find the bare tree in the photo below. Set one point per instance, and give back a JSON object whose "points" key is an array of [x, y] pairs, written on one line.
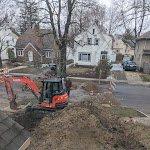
{"points": [[28, 14], [85, 13], [131, 16], [60, 16], [3, 47], [3, 20]]}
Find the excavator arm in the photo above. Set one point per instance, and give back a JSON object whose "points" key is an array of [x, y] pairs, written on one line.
{"points": [[9, 80]]}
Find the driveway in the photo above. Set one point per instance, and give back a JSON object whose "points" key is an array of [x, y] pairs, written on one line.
{"points": [[137, 97], [117, 67]]}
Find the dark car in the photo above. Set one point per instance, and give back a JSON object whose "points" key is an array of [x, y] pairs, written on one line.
{"points": [[129, 66], [52, 66]]}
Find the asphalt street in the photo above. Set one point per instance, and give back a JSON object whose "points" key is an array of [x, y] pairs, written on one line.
{"points": [[137, 97]]}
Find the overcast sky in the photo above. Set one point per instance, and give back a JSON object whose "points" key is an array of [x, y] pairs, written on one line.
{"points": [[106, 2]]}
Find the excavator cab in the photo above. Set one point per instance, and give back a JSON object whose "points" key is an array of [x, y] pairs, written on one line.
{"points": [[53, 94], [51, 88]]}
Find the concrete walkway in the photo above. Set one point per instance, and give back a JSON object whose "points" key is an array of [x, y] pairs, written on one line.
{"points": [[15, 68]]}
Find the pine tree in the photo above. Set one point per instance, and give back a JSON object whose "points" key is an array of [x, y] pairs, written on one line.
{"points": [[28, 15]]}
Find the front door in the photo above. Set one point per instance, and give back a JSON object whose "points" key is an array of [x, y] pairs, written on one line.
{"points": [[30, 56]]}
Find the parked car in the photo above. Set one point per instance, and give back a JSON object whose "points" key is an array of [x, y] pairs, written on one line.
{"points": [[52, 66], [129, 66]]}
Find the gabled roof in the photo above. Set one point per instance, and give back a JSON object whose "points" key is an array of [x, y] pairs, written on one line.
{"points": [[12, 135], [35, 48], [39, 38], [145, 36]]}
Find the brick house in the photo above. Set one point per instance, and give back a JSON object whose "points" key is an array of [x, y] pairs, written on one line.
{"points": [[37, 46]]}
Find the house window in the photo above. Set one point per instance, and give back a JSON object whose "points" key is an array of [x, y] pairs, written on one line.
{"points": [[48, 54], [93, 31], [104, 55], [86, 57], [20, 53], [89, 41], [96, 41]]}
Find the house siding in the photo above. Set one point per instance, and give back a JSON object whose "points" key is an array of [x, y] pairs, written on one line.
{"points": [[6, 35], [140, 59], [38, 41], [104, 44]]}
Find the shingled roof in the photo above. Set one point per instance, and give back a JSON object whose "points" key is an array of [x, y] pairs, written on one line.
{"points": [[145, 36], [12, 135], [40, 38]]}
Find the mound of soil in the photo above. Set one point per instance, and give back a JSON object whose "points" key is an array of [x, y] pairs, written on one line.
{"points": [[83, 126]]}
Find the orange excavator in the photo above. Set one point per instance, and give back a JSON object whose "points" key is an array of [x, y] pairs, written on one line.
{"points": [[53, 94]]}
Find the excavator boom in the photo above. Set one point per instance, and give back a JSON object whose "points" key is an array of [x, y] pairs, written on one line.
{"points": [[53, 94], [9, 80]]}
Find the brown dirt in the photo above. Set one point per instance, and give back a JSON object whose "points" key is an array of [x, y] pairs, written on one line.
{"points": [[83, 126], [90, 87]]}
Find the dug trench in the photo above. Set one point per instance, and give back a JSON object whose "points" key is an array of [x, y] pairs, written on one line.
{"points": [[86, 124]]}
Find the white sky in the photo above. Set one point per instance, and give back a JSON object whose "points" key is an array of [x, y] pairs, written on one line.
{"points": [[105, 2]]}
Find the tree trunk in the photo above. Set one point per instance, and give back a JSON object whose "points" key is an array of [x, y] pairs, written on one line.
{"points": [[63, 60], [1, 62]]}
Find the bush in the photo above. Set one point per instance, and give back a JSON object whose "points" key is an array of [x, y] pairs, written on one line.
{"points": [[103, 69]]}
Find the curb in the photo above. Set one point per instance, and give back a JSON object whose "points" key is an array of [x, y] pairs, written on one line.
{"points": [[142, 113], [147, 84]]}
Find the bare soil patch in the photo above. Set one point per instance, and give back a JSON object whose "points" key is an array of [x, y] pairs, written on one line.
{"points": [[84, 125], [81, 72]]}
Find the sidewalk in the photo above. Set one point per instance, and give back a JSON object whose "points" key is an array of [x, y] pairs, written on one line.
{"points": [[15, 68]]}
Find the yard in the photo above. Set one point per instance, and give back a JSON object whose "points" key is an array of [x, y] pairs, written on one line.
{"points": [[145, 77], [81, 72], [28, 70], [91, 121]]}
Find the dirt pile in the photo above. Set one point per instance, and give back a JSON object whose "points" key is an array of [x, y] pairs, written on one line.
{"points": [[84, 126]]}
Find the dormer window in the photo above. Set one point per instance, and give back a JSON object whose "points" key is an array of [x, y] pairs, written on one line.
{"points": [[93, 31], [89, 41]]}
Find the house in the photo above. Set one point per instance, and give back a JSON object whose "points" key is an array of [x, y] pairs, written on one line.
{"points": [[142, 51], [123, 47], [13, 136], [91, 46], [37, 46], [8, 38]]}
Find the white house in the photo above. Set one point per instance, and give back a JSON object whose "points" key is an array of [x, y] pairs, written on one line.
{"points": [[8, 38], [91, 46]]}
